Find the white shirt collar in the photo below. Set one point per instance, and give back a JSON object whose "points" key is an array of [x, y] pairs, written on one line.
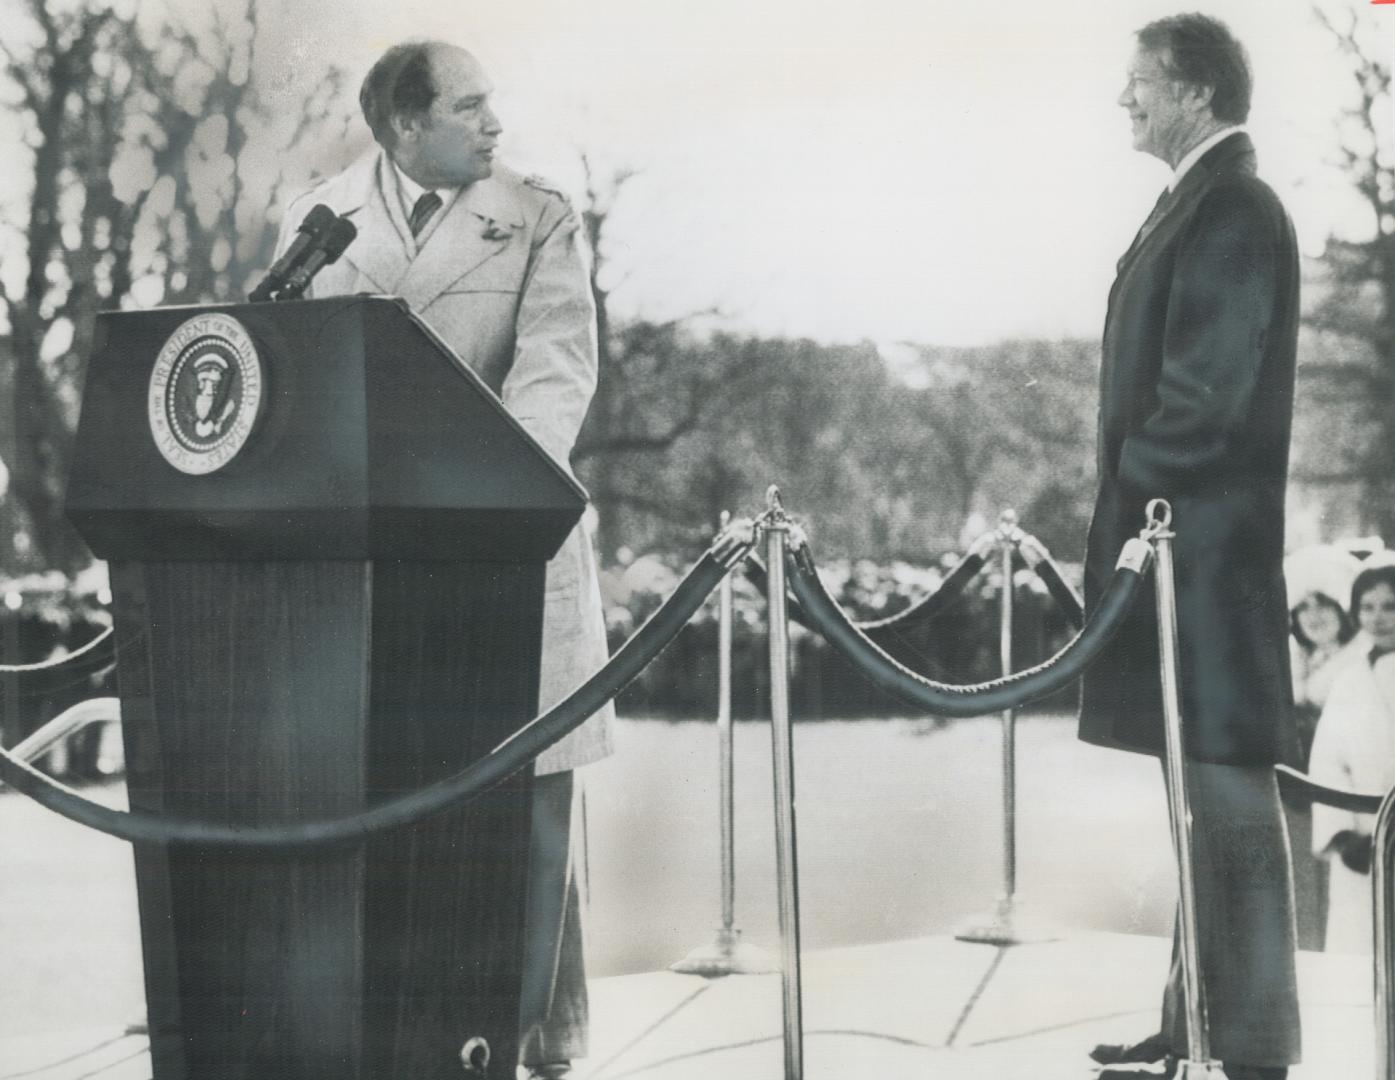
{"points": [[408, 190], [1194, 154]]}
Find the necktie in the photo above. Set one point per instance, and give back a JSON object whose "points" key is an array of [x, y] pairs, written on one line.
{"points": [[427, 205], [1154, 215], [1158, 208]]}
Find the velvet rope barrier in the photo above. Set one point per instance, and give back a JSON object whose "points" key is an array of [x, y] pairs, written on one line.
{"points": [[946, 699], [1036, 556], [498, 765], [1299, 784], [49, 676], [924, 610]]}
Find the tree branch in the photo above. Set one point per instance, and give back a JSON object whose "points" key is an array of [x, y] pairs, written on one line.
{"points": [[20, 74]]}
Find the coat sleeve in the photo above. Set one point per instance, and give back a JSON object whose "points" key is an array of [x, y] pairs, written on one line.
{"points": [[1330, 761], [553, 378], [1222, 301]]}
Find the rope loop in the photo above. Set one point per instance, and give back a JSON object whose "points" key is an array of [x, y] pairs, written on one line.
{"points": [[934, 604]]}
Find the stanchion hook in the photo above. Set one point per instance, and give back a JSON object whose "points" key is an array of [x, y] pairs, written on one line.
{"points": [[1008, 531], [1159, 513]]}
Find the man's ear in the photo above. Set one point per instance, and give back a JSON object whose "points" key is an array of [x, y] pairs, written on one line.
{"points": [[405, 126], [1202, 95]]}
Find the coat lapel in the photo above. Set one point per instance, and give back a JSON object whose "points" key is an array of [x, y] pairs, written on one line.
{"points": [[1230, 152], [478, 225], [379, 252], [1166, 201]]}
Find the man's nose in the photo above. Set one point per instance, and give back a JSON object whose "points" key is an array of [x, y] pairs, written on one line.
{"points": [[1126, 96], [491, 122]]}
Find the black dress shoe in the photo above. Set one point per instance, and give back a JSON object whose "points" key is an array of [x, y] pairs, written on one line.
{"points": [[1254, 1072], [1154, 1048], [553, 1070]]}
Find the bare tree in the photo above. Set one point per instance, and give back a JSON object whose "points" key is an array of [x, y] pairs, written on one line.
{"points": [[1010, 420], [142, 190], [686, 424], [1350, 362], [72, 257], [657, 383]]}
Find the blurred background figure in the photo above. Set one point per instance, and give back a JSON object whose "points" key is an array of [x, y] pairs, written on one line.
{"points": [[1319, 587], [1323, 638], [1354, 748]]}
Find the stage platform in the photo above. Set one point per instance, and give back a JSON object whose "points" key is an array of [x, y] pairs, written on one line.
{"points": [[932, 1008]]}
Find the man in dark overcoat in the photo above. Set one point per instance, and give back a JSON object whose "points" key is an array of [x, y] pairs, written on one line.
{"points": [[1196, 399]]}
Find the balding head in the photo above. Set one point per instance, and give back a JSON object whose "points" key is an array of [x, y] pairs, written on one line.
{"points": [[427, 104]]}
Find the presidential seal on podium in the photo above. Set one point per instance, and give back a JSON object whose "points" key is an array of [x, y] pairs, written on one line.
{"points": [[205, 393]]}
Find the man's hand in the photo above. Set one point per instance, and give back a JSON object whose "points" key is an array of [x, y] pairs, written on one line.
{"points": [[1354, 848]]}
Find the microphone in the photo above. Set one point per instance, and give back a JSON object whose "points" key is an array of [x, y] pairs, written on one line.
{"points": [[320, 218], [339, 236]]}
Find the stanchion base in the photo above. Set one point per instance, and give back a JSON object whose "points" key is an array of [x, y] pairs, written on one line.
{"points": [[1006, 925], [726, 956], [1199, 1070]]}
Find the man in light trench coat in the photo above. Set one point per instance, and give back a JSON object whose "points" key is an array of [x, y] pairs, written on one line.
{"points": [[493, 262], [1196, 401]]}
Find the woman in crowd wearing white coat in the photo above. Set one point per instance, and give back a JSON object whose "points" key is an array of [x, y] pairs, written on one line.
{"points": [[1323, 639], [1354, 748], [1322, 632]]}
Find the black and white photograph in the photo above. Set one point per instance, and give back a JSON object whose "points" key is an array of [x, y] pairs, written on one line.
{"points": [[624, 541]]}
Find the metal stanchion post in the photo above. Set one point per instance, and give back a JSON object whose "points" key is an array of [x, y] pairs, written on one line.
{"points": [[777, 527], [1004, 925], [726, 955], [1382, 867], [10, 730], [1007, 549], [725, 754], [10, 655], [1198, 1064]]}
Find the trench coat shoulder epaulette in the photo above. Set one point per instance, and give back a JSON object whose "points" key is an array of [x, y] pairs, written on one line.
{"points": [[546, 186]]}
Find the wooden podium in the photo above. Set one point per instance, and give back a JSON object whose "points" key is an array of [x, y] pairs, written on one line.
{"points": [[327, 543]]}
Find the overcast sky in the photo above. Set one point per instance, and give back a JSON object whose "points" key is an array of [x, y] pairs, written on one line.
{"points": [[943, 172]]}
